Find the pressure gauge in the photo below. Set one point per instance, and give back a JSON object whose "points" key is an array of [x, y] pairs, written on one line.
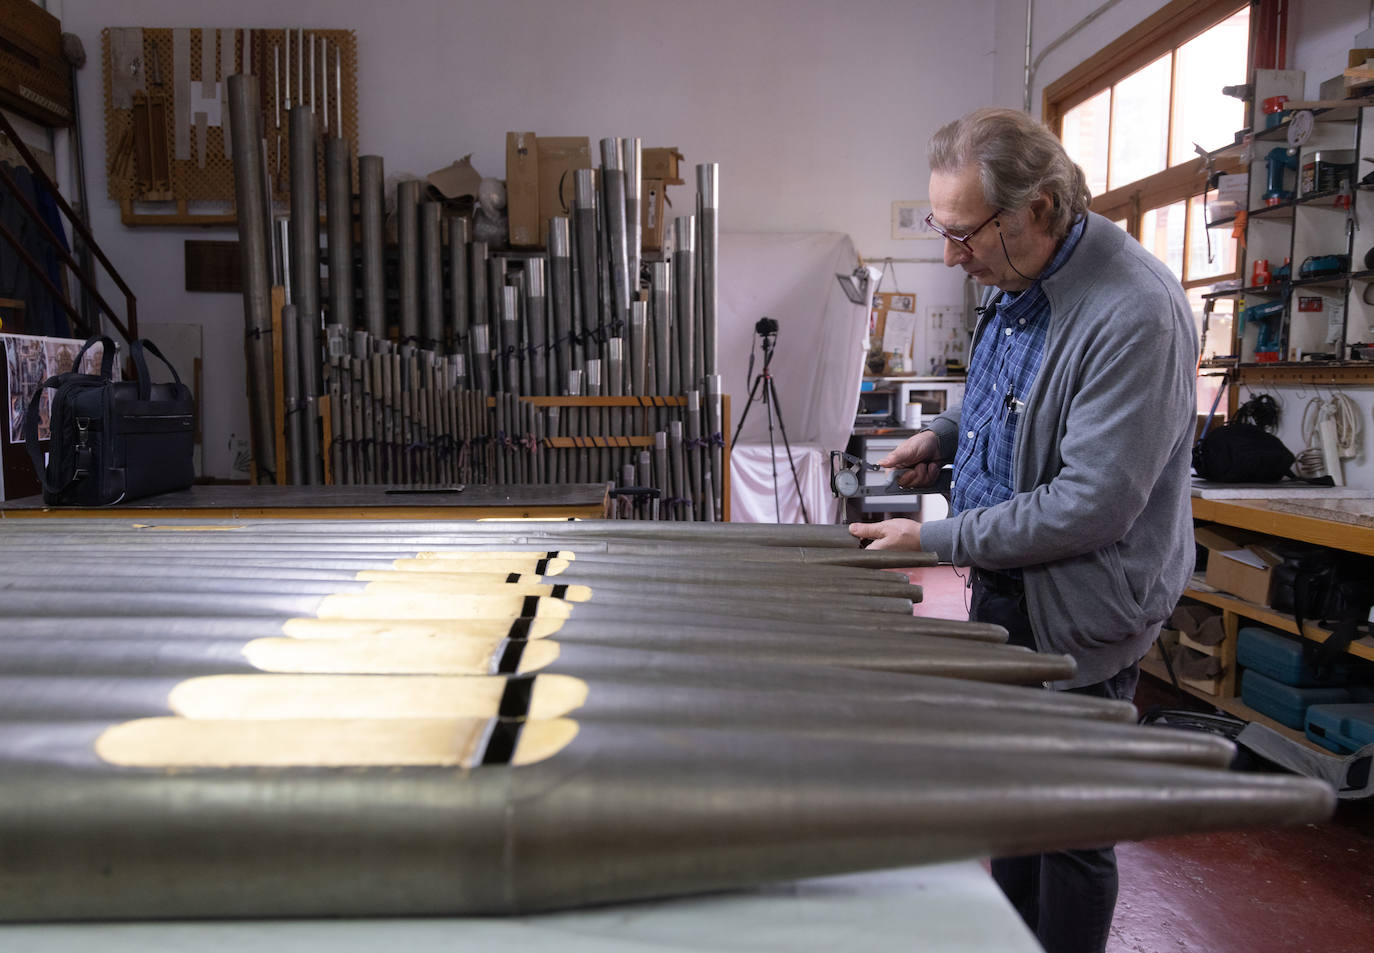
{"points": [[846, 483]]}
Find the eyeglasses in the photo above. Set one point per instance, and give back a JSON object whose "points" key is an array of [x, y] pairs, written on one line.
{"points": [[960, 240]]}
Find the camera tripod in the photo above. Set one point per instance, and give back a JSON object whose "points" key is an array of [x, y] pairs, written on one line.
{"points": [[767, 330]]}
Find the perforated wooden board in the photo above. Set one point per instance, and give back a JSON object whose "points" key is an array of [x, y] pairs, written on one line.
{"points": [[166, 112]]}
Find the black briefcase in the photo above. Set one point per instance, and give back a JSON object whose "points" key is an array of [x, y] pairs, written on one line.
{"points": [[113, 441]]}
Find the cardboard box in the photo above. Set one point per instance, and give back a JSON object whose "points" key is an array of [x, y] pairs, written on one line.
{"points": [[1238, 562], [522, 189], [661, 163], [559, 158]]}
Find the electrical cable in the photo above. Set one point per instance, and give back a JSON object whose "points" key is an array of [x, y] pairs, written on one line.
{"points": [[1346, 415]]}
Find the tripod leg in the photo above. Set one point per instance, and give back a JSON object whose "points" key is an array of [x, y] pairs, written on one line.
{"points": [[790, 462], [772, 449], [753, 390]]}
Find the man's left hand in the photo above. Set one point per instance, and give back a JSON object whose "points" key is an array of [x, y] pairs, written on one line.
{"points": [[889, 534]]}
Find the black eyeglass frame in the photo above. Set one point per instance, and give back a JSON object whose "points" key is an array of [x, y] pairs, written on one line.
{"points": [[961, 240]]}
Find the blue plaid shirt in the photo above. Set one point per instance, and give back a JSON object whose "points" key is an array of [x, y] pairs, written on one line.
{"points": [[1003, 368]]}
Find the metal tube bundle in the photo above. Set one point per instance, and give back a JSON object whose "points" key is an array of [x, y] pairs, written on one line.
{"points": [[450, 742], [517, 325]]}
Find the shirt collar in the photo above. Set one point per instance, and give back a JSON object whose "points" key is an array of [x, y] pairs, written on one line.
{"points": [[1066, 248]]}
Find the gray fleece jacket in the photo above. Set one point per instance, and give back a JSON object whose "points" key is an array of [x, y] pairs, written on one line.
{"points": [[1101, 524]]}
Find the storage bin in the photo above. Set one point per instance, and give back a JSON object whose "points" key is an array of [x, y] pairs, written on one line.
{"points": [[1286, 704], [1343, 729], [1281, 658]]}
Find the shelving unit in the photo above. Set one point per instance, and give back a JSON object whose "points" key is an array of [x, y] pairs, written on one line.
{"points": [[1259, 516], [1299, 227]]}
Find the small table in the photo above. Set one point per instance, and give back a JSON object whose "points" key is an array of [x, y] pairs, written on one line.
{"points": [[213, 501], [943, 908]]}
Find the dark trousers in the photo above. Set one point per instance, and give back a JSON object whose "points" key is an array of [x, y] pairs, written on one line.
{"points": [[1066, 898]]}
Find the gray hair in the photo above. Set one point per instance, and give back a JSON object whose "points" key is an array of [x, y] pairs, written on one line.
{"points": [[1018, 158]]}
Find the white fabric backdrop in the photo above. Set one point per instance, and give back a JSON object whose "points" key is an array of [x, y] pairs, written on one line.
{"points": [[817, 365]]}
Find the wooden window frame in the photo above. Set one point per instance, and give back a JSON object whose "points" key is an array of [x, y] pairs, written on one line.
{"points": [[1161, 33]]}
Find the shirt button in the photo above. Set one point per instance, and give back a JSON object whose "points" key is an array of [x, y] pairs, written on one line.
{"points": [[1022, 321], [971, 435], [1008, 330]]}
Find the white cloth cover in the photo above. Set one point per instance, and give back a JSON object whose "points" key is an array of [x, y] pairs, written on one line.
{"points": [[817, 366]]}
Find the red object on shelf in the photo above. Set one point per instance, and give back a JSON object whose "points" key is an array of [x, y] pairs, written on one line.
{"points": [[1259, 272], [1274, 104], [1266, 357]]}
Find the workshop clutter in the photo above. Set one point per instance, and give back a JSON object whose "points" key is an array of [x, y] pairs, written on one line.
{"points": [[1194, 644]]}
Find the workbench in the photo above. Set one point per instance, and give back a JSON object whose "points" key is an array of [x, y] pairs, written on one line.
{"points": [[510, 501], [941, 908]]}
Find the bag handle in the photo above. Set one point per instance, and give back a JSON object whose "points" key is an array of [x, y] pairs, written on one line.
{"points": [[107, 355], [31, 431], [145, 384]]}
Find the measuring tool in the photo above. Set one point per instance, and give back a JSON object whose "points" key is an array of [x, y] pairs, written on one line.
{"points": [[846, 478]]}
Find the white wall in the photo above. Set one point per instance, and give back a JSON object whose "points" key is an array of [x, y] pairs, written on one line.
{"points": [[817, 111]]}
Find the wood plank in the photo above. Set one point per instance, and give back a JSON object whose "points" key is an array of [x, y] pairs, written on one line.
{"points": [[1363, 648], [1257, 515]]}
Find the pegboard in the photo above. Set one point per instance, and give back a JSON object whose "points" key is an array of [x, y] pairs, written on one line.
{"points": [[167, 152]]}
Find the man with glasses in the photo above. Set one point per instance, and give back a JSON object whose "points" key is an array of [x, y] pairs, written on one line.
{"points": [[1070, 490]]}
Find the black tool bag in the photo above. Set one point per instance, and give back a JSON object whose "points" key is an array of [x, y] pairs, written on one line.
{"points": [[113, 441], [1241, 453]]}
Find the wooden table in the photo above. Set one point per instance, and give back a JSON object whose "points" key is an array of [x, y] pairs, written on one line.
{"points": [[582, 500]]}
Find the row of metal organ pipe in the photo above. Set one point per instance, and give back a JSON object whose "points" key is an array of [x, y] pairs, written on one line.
{"points": [[301, 718], [435, 366]]}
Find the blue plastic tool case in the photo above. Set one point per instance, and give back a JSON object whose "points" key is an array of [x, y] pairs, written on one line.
{"points": [[1286, 704], [1343, 729], [1280, 657]]}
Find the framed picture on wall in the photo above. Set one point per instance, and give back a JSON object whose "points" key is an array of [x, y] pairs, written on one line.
{"points": [[909, 220]]}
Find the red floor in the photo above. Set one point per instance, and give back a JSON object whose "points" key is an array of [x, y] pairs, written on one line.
{"points": [[1289, 890]]}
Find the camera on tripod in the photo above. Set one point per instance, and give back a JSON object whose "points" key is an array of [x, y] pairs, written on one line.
{"points": [[765, 326]]}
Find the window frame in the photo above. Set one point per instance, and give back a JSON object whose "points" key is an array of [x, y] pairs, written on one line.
{"points": [[1162, 32]]}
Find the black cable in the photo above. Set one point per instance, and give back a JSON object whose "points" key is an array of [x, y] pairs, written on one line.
{"points": [[1261, 410]]}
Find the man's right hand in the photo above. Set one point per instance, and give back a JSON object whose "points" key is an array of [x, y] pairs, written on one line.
{"points": [[920, 455]]}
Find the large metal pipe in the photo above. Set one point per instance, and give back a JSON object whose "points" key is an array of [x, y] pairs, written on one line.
{"points": [[634, 230], [338, 201], [657, 699], [432, 272], [459, 305], [613, 196], [250, 191], [536, 322], [291, 396], [468, 816], [408, 259], [372, 224], [708, 250], [684, 291], [561, 298], [305, 280], [661, 297], [585, 256]]}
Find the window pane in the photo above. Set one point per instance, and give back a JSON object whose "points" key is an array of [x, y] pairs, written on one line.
{"points": [[1206, 63], [1216, 336], [1161, 231], [1085, 138], [1140, 124], [1223, 246]]}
